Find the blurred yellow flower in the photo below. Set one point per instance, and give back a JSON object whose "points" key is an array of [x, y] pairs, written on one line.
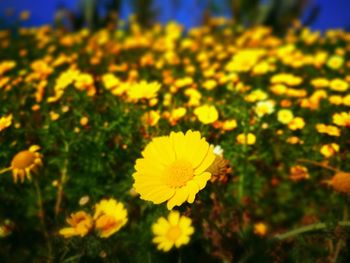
{"points": [[206, 114], [342, 119], [151, 118], [5, 122], [296, 124], [264, 107], [110, 81], [329, 150], [229, 125], [285, 116], [335, 62], [248, 139], [80, 225], [175, 231], [339, 85], [260, 229], [328, 129], [109, 217], [143, 90], [173, 168]]}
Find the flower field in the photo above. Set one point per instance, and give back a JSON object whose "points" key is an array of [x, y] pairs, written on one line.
{"points": [[216, 144]]}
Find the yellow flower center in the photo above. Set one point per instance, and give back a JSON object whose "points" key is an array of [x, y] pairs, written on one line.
{"points": [[179, 173], [173, 233], [23, 160]]}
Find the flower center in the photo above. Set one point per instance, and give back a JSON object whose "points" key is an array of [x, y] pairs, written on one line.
{"points": [[178, 173], [23, 160], [173, 233]]}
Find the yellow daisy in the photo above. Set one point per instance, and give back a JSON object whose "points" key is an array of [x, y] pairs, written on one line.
{"points": [[80, 223], [109, 217], [175, 231], [5, 122], [25, 162], [173, 168]]}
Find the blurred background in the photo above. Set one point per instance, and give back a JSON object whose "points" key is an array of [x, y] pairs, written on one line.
{"points": [[74, 14]]}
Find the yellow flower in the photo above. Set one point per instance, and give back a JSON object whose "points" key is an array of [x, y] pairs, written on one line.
{"points": [[26, 162], [5, 122], [335, 99], [110, 81], [80, 222], [209, 84], [176, 114], [249, 139], [151, 118], [260, 229], [329, 150], [206, 114], [328, 129], [335, 62], [342, 119], [229, 125], [320, 83], [173, 168], [264, 107], [109, 217], [174, 231], [285, 78], [296, 124], [339, 85], [143, 90], [285, 116]]}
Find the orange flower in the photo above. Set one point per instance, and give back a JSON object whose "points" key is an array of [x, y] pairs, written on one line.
{"points": [[81, 223]]}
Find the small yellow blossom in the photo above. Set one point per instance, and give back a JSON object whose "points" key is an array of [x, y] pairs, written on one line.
{"points": [[206, 114], [109, 217], [260, 229], [335, 62], [5, 122], [248, 139], [339, 85], [329, 150], [143, 90], [296, 124], [175, 231], [80, 225], [342, 119], [285, 116]]}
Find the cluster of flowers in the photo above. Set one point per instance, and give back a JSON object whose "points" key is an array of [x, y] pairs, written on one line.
{"points": [[247, 91]]}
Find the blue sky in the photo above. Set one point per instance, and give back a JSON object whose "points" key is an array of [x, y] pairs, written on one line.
{"points": [[334, 13]]}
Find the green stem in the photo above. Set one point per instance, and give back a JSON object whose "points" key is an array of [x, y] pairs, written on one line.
{"points": [[309, 228], [42, 218], [5, 170], [63, 180], [241, 181]]}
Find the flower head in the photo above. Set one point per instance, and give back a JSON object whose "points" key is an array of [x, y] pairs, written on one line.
{"points": [[80, 224], [285, 116], [341, 182], [143, 90], [109, 217], [26, 162], [342, 119], [173, 168], [5, 122], [248, 138], [206, 114], [174, 231]]}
